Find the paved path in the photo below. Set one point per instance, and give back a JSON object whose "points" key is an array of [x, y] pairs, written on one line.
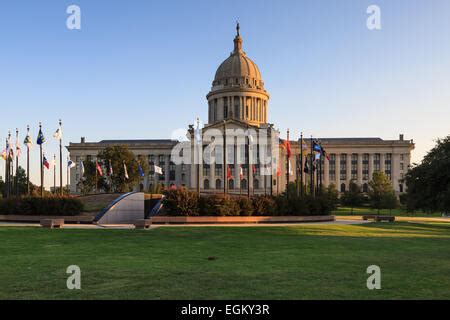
{"points": [[130, 226], [340, 220], [402, 219]]}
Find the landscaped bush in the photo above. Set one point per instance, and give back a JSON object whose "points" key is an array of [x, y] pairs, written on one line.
{"points": [[245, 206], [47, 206], [264, 206], [182, 202], [219, 205]]}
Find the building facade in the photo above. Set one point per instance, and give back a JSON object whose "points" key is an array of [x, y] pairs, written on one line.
{"points": [[238, 100]]}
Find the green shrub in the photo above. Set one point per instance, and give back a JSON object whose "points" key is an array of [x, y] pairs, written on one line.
{"points": [[264, 205], [181, 202], [47, 206], [219, 205], [245, 206]]}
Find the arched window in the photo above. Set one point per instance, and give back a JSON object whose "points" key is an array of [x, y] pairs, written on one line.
{"points": [[206, 184], [243, 184], [218, 184], [365, 188], [400, 187], [343, 187], [231, 184], [255, 184]]}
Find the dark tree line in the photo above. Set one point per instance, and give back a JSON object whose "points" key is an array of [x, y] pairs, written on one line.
{"points": [[428, 183]]}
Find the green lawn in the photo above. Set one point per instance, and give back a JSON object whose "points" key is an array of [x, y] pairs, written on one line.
{"points": [[298, 262], [346, 211]]}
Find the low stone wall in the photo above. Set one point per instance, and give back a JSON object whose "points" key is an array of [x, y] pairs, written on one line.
{"points": [[23, 218], [239, 219]]}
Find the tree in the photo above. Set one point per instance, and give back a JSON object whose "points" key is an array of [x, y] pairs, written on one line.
{"points": [[21, 183], [333, 196], [428, 183], [353, 197], [381, 193], [89, 182], [117, 156]]}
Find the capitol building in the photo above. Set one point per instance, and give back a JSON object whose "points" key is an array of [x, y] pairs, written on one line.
{"points": [[238, 100]]}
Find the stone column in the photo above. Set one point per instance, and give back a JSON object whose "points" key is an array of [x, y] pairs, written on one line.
{"points": [[338, 171], [167, 170], [370, 166], [326, 173], [349, 170], [395, 171], [382, 162], [237, 178], [360, 166]]}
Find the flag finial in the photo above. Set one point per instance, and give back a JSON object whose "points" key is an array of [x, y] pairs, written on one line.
{"points": [[238, 39]]}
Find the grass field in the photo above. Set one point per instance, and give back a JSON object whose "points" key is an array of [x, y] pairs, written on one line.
{"points": [[346, 211], [298, 262]]}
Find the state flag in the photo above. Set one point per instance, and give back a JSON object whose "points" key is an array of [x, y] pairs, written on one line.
{"points": [[40, 139], [158, 170], [28, 142], [99, 169], [46, 163], [58, 134], [125, 171], [71, 164], [141, 171]]}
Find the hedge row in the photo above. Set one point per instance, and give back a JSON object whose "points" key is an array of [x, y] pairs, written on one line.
{"points": [[47, 206], [182, 202]]}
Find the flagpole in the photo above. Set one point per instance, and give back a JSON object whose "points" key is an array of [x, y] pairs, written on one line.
{"points": [[54, 173], [301, 164], [320, 171], [67, 176], [7, 169], [198, 156], [311, 173], [96, 182], [225, 169], [248, 163], [60, 160], [42, 165], [318, 176], [28, 162], [17, 163], [271, 162], [287, 164]]}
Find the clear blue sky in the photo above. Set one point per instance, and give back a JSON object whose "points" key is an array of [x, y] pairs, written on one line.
{"points": [[133, 61]]}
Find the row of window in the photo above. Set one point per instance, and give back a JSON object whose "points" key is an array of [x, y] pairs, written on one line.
{"points": [[353, 174], [231, 184]]}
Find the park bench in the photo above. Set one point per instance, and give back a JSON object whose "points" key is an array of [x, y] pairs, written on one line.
{"points": [[385, 218], [369, 217], [52, 223], [142, 224], [378, 218]]}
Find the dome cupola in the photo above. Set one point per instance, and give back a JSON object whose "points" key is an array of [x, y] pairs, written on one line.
{"points": [[238, 89]]}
